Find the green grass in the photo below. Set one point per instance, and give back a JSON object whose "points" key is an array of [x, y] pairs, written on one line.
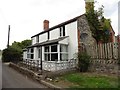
{"points": [[90, 81]]}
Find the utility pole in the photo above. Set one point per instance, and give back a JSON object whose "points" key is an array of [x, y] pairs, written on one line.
{"points": [[8, 36]]}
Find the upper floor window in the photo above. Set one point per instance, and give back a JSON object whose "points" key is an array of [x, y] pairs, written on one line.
{"points": [[37, 39], [62, 31]]}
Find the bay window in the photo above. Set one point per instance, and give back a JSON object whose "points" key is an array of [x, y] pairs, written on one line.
{"points": [[51, 52], [63, 52]]}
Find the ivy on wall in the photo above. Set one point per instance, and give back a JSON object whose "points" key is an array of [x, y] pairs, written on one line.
{"points": [[99, 25]]}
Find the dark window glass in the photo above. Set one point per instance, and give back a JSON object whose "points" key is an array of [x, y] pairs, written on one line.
{"points": [[54, 48], [54, 57], [32, 50], [32, 56], [46, 48], [47, 57]]}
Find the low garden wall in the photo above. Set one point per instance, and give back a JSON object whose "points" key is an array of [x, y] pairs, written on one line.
{"points": [[104, 66]]}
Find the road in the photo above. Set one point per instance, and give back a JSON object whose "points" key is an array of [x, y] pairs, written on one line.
{"points": [[13, 79]]}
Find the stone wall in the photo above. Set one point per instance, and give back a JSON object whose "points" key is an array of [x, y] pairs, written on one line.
{"points": [[104, 66], [85, 32]]}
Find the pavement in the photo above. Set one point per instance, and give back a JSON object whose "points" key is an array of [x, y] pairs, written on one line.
{"points": [[13, 79]]}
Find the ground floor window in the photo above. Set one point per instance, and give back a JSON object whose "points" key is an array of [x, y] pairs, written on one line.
{"points": [[51, 52], [30, 53], [63, 52]]}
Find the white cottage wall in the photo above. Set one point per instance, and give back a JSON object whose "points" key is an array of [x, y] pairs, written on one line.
{"points": [[43, 37], [25, 55], [54, 34], [71, 31], [35, 53], [33, 40]]}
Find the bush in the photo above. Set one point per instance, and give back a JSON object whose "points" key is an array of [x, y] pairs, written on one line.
{"points": [[83, 61], [11, 54]]}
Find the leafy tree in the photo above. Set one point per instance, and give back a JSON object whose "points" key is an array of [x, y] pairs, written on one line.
{"points": [[14, 52], [25, 43], [11, 54], [98, 24]]}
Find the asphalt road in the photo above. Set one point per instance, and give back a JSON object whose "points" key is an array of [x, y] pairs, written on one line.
{"points": [[13, 79]]}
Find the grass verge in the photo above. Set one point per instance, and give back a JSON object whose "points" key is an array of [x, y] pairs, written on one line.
{"points": [[86, 80]]}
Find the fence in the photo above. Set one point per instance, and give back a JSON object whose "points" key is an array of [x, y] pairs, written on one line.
{"points": [[105, 57], [103, 51]]}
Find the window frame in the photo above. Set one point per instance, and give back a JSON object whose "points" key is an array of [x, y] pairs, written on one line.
{"points": [[50, 52], [62, 31]]}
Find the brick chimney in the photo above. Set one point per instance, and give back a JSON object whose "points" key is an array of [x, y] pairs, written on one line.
{"points": [[89, 5], [45, 25]]}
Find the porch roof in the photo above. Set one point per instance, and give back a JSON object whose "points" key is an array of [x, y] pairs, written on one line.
{"points": [[48, 42]]}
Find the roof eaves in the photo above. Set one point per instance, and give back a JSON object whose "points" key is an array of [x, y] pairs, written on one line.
{"points": [[59, 25]]}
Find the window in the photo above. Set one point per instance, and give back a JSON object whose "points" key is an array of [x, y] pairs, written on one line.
{"points": [[30, 53], [54, 56], [46, 48], [62, 31], [37, 39], [63, 56], [32, 50], [63, 52], [63, 48], [47, 56], [50, 53], [54, 48]]}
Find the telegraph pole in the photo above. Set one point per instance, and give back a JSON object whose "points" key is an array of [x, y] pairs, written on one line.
{"points": [[8, 36]]}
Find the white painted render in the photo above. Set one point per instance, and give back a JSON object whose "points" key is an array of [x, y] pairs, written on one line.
{"points": [[43, 37], [54, 34], [64, 41], [35, 53], [33, 40], [25, 55], [71, 31]]}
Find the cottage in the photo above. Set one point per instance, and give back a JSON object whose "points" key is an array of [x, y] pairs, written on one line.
{"points": [[55, 47]]}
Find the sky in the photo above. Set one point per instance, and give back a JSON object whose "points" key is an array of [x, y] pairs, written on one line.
{"points": [[26, 16]]}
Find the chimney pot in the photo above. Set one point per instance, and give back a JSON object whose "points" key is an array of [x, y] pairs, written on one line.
{"points": [[46, 25]]}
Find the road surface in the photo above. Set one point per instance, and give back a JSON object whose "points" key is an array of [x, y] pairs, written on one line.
{"points": [[13, 79]]}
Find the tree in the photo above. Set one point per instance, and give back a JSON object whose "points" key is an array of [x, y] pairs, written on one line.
{"points": [[14, 52], [11, 54], [99, 25], [25, 43]]}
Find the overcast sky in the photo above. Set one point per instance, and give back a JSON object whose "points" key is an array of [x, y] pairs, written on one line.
{"points": [[26, 16]]}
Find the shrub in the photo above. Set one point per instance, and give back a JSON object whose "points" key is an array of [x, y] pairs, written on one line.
{"points": [[11, 54], [83, 61]]}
